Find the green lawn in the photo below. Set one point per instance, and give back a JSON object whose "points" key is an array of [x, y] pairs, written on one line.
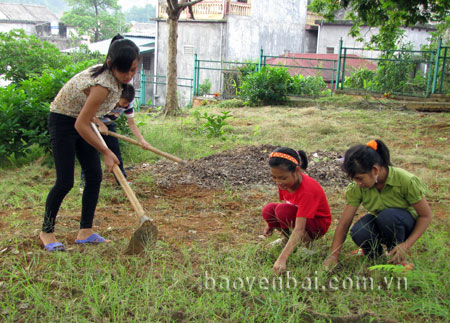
{"points": [[226, 276]]}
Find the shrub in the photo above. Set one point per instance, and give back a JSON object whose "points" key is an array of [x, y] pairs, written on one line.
{"points": [[309, 85], [268, 86], [24, 109], [204, 88], [360, 79]]}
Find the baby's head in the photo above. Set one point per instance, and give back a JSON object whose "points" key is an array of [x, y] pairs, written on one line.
{"points": [[127, 95]]}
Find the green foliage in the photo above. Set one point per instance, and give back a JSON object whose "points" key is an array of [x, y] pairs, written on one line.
{"points": [[24, 109], [23, 56], [308, 86], [270, 85], [214, 123], [101, 19], [233, 103], [82, 54], [388, 15], [360, 79], [140, 14], [204, 88]]}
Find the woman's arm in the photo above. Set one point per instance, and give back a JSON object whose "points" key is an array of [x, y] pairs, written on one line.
{"points": [[297, 235], [135, 130], [97, 95], [423, 209], [340, 234]]}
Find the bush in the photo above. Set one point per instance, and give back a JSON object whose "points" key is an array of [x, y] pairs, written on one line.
{"points": [[270, 85], [309, 85], [204, 88], [361, 79], [24, 109]]}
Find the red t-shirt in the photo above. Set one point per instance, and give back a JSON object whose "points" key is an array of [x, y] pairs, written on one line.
{"points": [[309, 198]]}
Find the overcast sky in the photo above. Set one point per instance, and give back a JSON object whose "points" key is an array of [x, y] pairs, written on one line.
{"points": [[127, 4]]}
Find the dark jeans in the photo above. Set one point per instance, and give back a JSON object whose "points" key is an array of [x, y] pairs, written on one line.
{"points": [[391, 227], [113, 144], [68, 144]]}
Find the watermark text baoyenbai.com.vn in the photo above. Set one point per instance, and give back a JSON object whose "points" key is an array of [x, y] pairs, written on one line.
{"points": [[288, 282]]}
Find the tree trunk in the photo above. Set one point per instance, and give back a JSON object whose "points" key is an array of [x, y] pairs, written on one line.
{"points": [[172, 107]]}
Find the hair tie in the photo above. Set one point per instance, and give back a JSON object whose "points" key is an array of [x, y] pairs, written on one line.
{"points": [[284, 156], [373, 144]]}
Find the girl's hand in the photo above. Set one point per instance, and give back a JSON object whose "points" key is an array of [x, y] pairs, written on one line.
{"points": [[144, 144], [268, 231], [399, 253], [110, 159], [102, 128], [279, 267], [330, 262]]}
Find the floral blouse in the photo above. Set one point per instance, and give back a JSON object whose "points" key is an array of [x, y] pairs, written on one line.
{"points": [[71, 98]]}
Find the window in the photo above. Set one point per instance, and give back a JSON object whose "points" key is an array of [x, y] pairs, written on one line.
{"points": [[188, 50], [330, 50], [147, 62]]}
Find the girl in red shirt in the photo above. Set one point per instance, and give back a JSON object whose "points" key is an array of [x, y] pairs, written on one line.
{"points": [[304, 207]]}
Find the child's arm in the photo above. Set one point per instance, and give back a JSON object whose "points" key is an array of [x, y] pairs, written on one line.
{"points": [[101, 126], [97, 95], [423, 209], [297, 235], [135, 130], [340, 234]]}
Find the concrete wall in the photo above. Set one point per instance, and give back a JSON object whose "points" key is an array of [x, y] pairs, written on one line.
{"points": [[204, 38], [329, 36], [275, 26], [27, 27]]}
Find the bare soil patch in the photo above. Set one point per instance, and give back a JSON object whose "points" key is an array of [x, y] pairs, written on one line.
{"points": [[245, 166]]}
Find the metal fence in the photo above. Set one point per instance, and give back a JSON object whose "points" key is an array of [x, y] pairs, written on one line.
{"points": [[228, 81], [149, 87], [401, 71]]}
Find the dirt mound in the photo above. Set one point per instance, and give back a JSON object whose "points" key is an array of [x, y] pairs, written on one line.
{"points": [[243, 166]]}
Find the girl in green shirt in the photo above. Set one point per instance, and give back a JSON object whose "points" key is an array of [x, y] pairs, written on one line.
{"points": [[398, 213]]}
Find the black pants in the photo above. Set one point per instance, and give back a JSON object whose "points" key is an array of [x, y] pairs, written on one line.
{"points": [[391, 227], [68, 144], [113, 144]]}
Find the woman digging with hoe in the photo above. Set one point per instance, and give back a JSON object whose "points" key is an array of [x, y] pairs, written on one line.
{"points": [[398, 213], [93, 92]]}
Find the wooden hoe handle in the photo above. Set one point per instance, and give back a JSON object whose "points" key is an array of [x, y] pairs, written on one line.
{"points": [[152, 149], [123, 181]]}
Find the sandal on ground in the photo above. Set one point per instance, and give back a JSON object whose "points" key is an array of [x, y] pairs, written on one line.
{"points": [[93, 238], [55, 246]]}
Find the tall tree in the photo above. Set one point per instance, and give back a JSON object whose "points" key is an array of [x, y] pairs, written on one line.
{"points": [[387, 15], [101, 19], [140, 14], [174, 9]]}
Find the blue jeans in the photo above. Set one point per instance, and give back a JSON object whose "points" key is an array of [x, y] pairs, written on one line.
{"points": [[391, 227]]}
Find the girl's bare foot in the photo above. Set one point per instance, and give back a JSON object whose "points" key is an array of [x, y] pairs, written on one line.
{"points": [[83, 234], [47, 238]]}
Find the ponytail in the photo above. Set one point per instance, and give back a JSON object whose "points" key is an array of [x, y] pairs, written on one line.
{"points": [[304, 159], [121, 54], [360, 159]]}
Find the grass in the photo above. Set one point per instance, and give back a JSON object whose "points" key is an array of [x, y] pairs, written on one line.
{"points": [[175, 282]]}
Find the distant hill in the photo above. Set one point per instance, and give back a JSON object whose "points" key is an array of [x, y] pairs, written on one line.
{"points": [[56, 6]]}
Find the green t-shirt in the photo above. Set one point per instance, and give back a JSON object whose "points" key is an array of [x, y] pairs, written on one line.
{"points": [[401, 190]]}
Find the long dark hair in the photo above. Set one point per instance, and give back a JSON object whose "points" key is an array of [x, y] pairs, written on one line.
{"points": [[121, 54], [299, 156], [360, 159]]}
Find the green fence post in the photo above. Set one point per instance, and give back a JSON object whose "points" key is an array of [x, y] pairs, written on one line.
{"points": [[143, 86], [436, 67], [332, 79], [260, 59], [430, 70], [194, 88], [343, 69], [443, 69], [338, 69]]}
